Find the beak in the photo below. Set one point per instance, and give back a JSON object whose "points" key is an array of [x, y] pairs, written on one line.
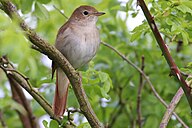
{"points": [[98, 13]]}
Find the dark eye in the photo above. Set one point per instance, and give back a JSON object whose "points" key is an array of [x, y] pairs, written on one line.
{"points": [[85, 13]]}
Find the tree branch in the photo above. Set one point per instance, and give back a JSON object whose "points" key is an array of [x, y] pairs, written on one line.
{"points": [[171, 108], [3, 124], [58, 58], [146, 78], [6, 66], [173, 67], [141, 84]]}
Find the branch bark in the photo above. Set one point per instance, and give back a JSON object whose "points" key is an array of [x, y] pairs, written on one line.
{"points": [[171, 108], [173, 104], [141, 84], [173, 67], [62, 62], [3, 124]]}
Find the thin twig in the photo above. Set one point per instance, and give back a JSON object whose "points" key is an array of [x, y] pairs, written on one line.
{"points": [[7, 70], [118, 109], [13, 70], [3, 124], [146, 78], [60, 11], [70, 119], [74, 110], [171, 108], [37, 48], [1, 6], [141, 84]]}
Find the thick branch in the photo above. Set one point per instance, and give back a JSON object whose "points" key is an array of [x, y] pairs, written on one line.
{"points": [[174, 69], [61, 61]]}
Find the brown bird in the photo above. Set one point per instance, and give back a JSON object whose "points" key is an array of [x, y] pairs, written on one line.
{"points": [[78, 40]]}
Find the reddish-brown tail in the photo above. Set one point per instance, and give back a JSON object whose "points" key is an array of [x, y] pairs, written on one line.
{"points": [[61, 91]]}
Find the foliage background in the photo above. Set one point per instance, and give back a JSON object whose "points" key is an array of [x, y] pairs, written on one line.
{"points": [[110, 83]]}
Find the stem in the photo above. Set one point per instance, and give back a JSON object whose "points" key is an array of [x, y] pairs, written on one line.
{"points": [[171, 108], [141, 84]]}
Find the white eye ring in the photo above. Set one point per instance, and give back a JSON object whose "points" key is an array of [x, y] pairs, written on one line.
{"points": [[85, 12]]}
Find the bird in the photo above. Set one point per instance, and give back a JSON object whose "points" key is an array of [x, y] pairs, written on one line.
{"points": [[78, 40]]}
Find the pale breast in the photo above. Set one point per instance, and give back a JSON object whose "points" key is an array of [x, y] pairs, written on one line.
{"points": [[78, 44]]}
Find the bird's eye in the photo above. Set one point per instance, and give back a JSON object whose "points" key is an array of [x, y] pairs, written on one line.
{"points": [[85, 13]]}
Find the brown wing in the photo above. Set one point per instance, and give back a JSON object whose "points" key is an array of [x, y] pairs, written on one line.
{"points": [[58, 40]]}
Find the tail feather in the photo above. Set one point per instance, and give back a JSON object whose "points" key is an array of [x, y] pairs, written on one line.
{"points": [[61, 92]]}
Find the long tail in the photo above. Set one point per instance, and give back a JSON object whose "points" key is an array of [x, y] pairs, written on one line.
{"points": [[61, 92]]}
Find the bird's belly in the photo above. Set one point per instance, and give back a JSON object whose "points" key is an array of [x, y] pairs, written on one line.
{"points": [[81, 52]]}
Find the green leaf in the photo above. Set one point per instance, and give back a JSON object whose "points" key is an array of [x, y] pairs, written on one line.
{"points": [[40, 11], [189, 65], [64, 121], [176, 29], [187, 3], [137, 31], [106, 84], [45, 123], [103, 76], [54, 124], [8, 44], [185, 37], [26, 6], [5, 21], [184, 9], [169, 21], [32, 65], [135, 36], [44, 1], [104, 94]]}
